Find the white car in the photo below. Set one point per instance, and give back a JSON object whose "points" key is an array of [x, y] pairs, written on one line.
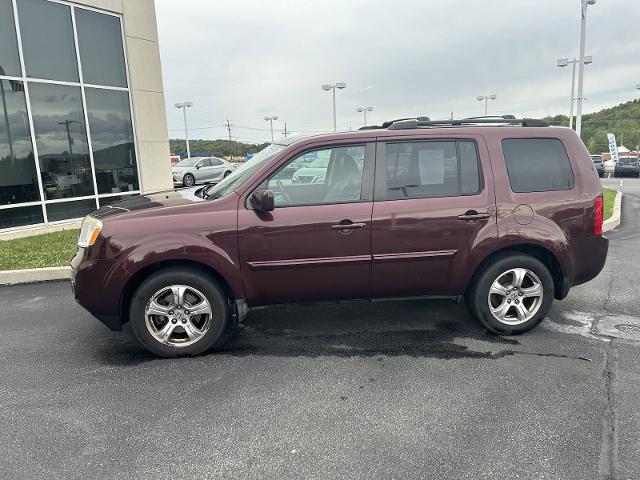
{"points": [[191, 171]]}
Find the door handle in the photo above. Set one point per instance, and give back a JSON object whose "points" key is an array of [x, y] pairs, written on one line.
{"points": [[472, 216], [348, 226]]}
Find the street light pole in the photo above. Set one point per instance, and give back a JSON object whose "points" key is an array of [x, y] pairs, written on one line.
{"points": [[270, 120], [486, 99], [333, 87], [583, 34], [563, 62], [365, 110], [184, 106]]}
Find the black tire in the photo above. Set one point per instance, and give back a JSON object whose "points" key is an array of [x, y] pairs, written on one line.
{"points": [[226, 174], [477, 296], [219, 329], [188, 180]]}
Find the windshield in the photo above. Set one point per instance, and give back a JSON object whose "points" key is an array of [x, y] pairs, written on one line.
{"points": [[242, 173], [596, 158], [628, 160], [187, 162]]}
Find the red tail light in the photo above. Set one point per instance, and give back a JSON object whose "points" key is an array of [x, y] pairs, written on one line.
{"points": [[598, 216]]}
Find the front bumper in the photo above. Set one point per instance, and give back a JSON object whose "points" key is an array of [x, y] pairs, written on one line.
{"points": [[626, 171], [97, 286]]}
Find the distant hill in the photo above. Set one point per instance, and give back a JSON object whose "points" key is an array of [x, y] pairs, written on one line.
{"points": [[237, 149], [622, 120]]}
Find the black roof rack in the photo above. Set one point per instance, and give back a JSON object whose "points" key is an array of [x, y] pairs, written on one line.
{"points": [[410, 123], [388, 123]]}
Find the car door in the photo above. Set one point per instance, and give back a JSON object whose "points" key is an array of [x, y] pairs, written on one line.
{"points": [[217, 169], [316, 243], [206, 170], [434, 210]]}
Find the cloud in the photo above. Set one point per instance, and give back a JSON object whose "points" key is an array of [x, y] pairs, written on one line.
{"points": [[244, 59]]}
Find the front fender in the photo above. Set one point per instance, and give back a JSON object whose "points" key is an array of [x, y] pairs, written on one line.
{"points": [[220, 255]]}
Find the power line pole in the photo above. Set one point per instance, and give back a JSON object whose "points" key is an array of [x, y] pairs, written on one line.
{"points": [[230, 144], [285, 133]]}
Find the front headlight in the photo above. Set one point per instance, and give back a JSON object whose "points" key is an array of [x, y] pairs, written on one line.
{"points": [[89, 231]]}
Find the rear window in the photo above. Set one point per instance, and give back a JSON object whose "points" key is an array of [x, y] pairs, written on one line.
{"points": [[537, 165]]}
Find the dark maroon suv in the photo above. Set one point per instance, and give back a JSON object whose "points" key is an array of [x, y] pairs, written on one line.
{"points": [[505, 212]]}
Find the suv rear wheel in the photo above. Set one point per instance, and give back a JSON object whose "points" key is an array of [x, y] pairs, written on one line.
{"points": [[178, 312], [512, 294]]}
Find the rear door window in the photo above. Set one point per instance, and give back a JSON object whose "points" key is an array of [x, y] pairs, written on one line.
{"points": [[447, 168], [537, 165]]}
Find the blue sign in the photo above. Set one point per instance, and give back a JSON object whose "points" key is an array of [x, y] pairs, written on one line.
{"points": [[249, 155]]}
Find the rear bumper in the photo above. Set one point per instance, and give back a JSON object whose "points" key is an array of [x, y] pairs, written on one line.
{"points": [[589, 256], [94, 283]]}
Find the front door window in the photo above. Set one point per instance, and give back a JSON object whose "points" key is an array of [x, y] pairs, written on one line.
{"points": [[332, 175]]}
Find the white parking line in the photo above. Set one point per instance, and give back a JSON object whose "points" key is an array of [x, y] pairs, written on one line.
{"points": [[621, 182]]}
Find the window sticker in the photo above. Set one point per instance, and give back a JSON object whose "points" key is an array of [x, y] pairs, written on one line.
{"points": [[431, 165]]}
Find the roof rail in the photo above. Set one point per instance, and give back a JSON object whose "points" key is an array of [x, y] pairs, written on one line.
{"points": [[388, 123], [410, 123]]}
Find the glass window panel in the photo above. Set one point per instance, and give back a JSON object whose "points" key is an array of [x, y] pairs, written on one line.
{"points": [[537, 165], [432, 169], [100, 45], [332, 175], [112, 140], [18, 176], [67, 210], [9, 60], [47, 40], [17, 217], [58, 121]]}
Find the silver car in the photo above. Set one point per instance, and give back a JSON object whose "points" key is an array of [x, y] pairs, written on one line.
{"points": [[194, 170]]}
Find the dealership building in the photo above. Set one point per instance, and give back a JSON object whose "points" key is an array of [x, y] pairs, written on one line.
{"points": [[82, 114]]}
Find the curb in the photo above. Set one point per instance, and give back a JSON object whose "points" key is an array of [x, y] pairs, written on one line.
{"points": [[614, 220], [33, 275]]}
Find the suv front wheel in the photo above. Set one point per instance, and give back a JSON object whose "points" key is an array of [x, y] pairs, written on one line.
{"points": [[178, 312], [511, 294]]}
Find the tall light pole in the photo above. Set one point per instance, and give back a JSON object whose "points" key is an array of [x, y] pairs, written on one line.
{"points": [[184, 106], [365, 110], [563, 62], [270, 120], [486, 99], [326, 88], [583, 33]]}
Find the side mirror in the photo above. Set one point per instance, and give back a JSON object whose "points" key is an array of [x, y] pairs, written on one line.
{"points": [[262, 200], [198, 167]]}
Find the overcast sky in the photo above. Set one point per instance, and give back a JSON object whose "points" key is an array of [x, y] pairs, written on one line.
{"points": [[244, 59]]}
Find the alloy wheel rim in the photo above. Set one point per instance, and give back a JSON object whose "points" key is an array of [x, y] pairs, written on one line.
{"points": [[188, 180], [178, 315], [515, 296]]}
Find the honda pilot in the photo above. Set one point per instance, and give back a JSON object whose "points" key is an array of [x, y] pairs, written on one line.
{"points": [[504, 213]]}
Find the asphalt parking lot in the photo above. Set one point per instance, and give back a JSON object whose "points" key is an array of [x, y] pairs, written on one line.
{"points": [[388, 390]]}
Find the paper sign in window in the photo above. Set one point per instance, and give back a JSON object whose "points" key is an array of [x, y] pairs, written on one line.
{"points": [[431, 165]]}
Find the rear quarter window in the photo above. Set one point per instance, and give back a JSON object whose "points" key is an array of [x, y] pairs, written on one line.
{"points": [[537, 165]]}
